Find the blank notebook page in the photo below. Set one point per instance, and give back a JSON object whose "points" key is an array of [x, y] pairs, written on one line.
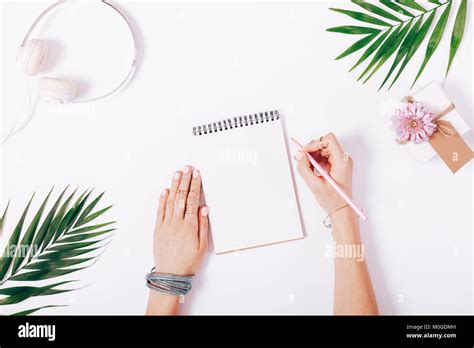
{"points": [[247, 182]]}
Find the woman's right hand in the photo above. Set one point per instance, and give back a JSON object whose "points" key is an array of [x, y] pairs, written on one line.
{"points": [[328, 153]]}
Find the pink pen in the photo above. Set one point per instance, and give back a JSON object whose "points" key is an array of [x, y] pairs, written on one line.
{"points": [[331, 181]]}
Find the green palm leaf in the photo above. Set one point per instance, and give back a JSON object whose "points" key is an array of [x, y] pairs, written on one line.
{"points": [[353, 30], [403, 38], [7, 257], [24, 246], [56, 250], [356, 46], [56, 221], [92, 217], [19, 289], [89, 228], [361, 17], [390, 4], [43, 274], [40, 236], [50, 264], [387, 45], [371, 49], [458, 32], [376, 10], [2, 219], [84, 236], [70, 217], [20, 293], [72, 246], [89, 208], [404, 48], [412, 4], [65, 254], [30, 311], [420, 35], [391, 49], [434, 40]]}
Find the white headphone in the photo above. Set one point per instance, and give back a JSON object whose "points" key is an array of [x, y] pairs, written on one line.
{"points": [[32, 55]]}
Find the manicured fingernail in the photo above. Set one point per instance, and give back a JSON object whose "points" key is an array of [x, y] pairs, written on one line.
{"points": [[204, 211], [299, 156], [195, 173], [176, 175], [164, 192], [186, 170]]}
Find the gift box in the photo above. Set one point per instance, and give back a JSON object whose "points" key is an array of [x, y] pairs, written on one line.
{"points": [[452, 149]]}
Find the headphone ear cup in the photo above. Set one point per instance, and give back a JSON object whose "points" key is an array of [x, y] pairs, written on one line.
{"points": [[55, 90], [32, 56]]}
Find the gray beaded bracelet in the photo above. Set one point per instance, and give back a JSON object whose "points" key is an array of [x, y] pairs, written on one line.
{"points": [[170, 284]]}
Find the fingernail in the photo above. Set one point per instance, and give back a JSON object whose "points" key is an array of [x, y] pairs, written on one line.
{"points": [[186, 170], [299, 156], [204, 211], [164, 192], [195, 174], [176, 175]]}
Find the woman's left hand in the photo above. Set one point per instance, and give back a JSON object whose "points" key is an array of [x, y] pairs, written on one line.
{"points": [[180, 240]]}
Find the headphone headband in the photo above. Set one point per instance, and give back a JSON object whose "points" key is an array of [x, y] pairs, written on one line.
{"points": [[135, 48]]}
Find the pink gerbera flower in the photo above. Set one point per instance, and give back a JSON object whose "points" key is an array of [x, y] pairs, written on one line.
{"points": [[413, 122]]}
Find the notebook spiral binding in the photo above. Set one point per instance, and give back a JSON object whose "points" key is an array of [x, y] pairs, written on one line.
{"points": [[236, 122]]}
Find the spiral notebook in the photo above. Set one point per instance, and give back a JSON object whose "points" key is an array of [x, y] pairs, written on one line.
{"points": [[247, 181]]}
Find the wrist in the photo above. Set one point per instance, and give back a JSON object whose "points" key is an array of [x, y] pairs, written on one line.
{"points": [[345, 213], [344, 226], [173, 269], [334, 204]]}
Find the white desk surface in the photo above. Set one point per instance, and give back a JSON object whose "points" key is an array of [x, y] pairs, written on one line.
{"points": [[205, 61]]}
